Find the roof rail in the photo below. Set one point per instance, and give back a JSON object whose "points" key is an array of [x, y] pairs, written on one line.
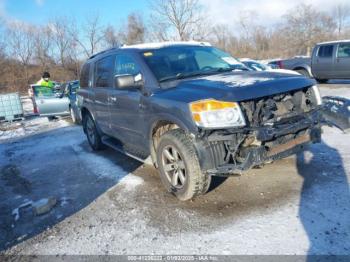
{"points": [[102, 52]]}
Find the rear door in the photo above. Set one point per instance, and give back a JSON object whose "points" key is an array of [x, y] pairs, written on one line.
{"points": [[103, 83], [125, 103], [342, 61], [49, 103], [322, 63]]}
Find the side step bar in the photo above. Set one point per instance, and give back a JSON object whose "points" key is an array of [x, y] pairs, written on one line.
{"points": [[108, 141]]}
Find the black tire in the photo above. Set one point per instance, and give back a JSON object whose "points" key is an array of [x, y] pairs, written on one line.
{"points": [[303, 72], [321, 81], [207, 185], [92, 133], [186, 165]]}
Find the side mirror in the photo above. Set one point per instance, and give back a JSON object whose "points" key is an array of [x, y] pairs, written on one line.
{"points": [[128, 81]]}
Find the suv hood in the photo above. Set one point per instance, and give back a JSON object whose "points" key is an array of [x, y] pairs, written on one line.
{"points": [[235, 86]]}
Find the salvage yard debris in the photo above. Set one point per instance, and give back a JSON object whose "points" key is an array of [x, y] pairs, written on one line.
{"points": [[44, 205], [39, 207]]}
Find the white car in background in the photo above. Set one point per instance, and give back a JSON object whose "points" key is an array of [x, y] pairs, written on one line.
{"points": [[258, 66]]}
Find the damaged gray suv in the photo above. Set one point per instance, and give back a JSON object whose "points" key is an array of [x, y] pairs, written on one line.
{"points": [[193, 111]]}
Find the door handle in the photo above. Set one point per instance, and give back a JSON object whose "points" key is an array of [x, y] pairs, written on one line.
{"points": [[113, 99]]}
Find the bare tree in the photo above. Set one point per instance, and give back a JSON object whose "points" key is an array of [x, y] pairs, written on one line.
{"points": [[135, 29], [304, 27], [341, 14], [3, 56], [111, 37], [92, 35], [21, 44], [61, 28], [43, 48], [176, 19], [73, 61], [221, 36]]}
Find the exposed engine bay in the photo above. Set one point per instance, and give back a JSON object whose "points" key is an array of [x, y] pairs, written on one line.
{"points": [[277, 126], [272, 109]]}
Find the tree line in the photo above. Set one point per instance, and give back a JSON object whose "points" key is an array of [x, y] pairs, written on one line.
{"points": [[61, 45]]}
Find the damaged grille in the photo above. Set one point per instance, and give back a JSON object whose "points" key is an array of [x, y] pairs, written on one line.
{"points": [[277, 107]]}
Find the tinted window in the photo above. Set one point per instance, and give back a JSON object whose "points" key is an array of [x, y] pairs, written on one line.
{"points": [[325, 51], [104, 72], [344, 50], [125, 65], [84, 76]]}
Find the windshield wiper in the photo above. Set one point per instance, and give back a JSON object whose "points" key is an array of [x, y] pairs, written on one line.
{"points": [[182, 76], [239, 67], [222, 70], [198, 73]]}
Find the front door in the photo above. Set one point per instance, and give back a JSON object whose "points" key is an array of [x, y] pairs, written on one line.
{"points": [[49, 103], [342, 61], [103, 83], [125, 111], [322, 64]]}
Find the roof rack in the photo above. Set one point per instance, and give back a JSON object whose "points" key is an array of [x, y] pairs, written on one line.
{"points": [[155, 45]]}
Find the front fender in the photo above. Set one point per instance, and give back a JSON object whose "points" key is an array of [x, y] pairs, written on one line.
{"points": [[168, 118]]}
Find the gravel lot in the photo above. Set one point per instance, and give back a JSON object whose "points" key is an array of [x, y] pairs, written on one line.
{"points": [[108, 203]]}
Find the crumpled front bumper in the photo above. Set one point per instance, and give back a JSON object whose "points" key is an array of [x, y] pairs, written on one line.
{"points": [[216, 150]]}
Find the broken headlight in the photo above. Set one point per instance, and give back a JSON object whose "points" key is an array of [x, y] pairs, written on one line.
{"points": [[211, 113]]}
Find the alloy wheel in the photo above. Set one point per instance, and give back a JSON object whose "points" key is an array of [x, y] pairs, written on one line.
{"points": [[174, 167]]}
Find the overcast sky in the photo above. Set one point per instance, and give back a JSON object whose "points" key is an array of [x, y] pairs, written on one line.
{"points": [[268, 12]]}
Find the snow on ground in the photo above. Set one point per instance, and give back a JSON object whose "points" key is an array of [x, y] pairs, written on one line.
{"points": [[16, 129]]}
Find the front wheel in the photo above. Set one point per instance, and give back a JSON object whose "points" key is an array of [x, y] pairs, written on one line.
{"points": [[179, 167]]}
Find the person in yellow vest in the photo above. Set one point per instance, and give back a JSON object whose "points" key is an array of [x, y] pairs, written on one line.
{"points": [[45, 80]]}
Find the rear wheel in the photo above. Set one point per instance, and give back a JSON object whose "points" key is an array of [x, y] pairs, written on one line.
{"points": [[92, 134], [179, 167], [303, 72]]}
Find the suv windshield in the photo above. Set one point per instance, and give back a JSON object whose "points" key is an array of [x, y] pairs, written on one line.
{"points": [[186, 61]]}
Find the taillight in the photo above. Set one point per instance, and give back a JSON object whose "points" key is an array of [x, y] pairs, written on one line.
{"points": [[35, 110], [280, 64]]}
